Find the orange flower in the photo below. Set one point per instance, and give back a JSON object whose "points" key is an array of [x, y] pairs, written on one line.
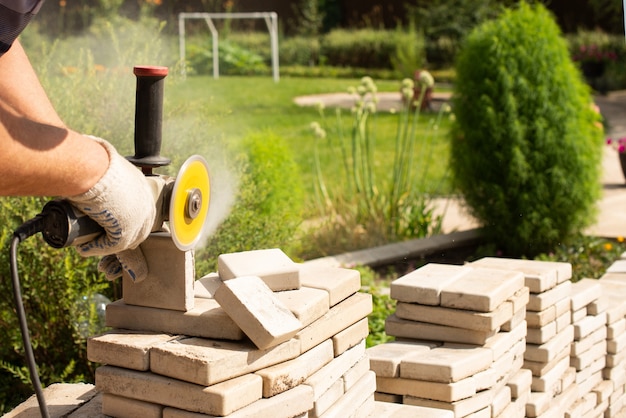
{"points": [[620, 239], [608, 246]]}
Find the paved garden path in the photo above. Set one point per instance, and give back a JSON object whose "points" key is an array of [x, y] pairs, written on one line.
{"points": [[611, 220]]}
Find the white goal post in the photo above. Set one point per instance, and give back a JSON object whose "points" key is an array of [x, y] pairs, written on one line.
{"points": [[271, 20]]}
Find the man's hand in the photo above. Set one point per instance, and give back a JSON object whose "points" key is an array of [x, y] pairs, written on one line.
{"points": [[123, 203]]}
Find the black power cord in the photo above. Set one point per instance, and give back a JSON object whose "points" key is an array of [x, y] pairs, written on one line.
{"points": [[29, 228]]}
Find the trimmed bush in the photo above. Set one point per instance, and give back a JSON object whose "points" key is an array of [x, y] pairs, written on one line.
{"points": [[267, 209], [526, 145]]}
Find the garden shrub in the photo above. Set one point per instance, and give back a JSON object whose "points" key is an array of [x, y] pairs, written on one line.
{"points": [[267, 209], [53, 283], [526, 145]]}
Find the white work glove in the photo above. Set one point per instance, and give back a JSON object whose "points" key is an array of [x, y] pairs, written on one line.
{"points": [[123, 203]]}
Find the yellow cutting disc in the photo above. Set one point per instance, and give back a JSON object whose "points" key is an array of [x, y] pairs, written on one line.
{"points": [[189, 204]]}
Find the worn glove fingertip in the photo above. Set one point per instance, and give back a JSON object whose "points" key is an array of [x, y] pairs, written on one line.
{"points": [[111, 267]]}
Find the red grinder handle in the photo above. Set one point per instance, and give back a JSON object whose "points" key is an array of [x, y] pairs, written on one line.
{"points": [[149, 118]]}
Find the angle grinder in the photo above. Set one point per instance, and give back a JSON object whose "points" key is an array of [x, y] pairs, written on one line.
{"points": [[182, 201]]}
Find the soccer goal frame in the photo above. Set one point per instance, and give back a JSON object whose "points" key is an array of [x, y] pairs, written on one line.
{"points": [[271, 20]]}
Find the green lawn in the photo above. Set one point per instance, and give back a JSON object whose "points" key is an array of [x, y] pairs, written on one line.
{"points": [[231, 107]]}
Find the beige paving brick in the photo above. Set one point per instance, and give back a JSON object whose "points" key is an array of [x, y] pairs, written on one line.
{"points": [[584, 292], [206, 286], [355, 373], [403, 328], [338, 318], [485, 379], [355, 397], [615, 329], [122, 348], [207, 319], [588, 325], [289, 374], [61, 398], [392, 410], [505, 341], [480, 321], [614, 293], [579, 314], [540, 301], [501, 400], [540, 368], [340, 283], [616, 360], [350, 336], [586, 359], [587, 385], [424, 285], [520, 383], [323, 379], [543, 334], [220, 399], [445, 392], [171, 276], [207, 362], [119, 406], [585, 344], [257, 311], [482, 289], [307, 304], [272, 265], [553, 348], [385, 358], [603, 390], [598, 306], [540, 318], [327, 399], [563, 321], [450, 363], [539, 275], [460, 408], [550, 381], [616, 345], [538, 403], [290, 403], [518, 318]]}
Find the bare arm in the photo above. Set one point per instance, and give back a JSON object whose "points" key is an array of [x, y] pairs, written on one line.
{"points": [[39, 155]]}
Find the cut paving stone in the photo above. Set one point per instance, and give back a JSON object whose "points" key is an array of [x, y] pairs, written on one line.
{"points": [[122, 348], [324, 378], [207, 362], [350, 337], [480, 321], [481, 289], [539, 276], [340, 283], [207, 319], [460, 408], [445, 392], [289, 374], [520, 383], [307, 304], [425, 284], [552, 349], [206, 286], [61, 398], [446, 364], [220, 399], [403, 328], [119, 406], [584, 292], [338, 318], [171, 276], [539, 302], [385, 358], [273, 266], [259, 313], [348, 405], [392, 410], [291, 403]]}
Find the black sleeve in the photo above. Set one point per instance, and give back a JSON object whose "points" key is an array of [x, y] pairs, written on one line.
{"points": [[14, 16]]}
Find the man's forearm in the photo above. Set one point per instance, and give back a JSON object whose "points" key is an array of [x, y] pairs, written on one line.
{"points": [[40, 155]]}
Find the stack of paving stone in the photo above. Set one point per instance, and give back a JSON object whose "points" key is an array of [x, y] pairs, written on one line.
{"points": [[613, 302], [589, 349], [265, 337], [550, 333], [460, 338], [262, 337]]}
